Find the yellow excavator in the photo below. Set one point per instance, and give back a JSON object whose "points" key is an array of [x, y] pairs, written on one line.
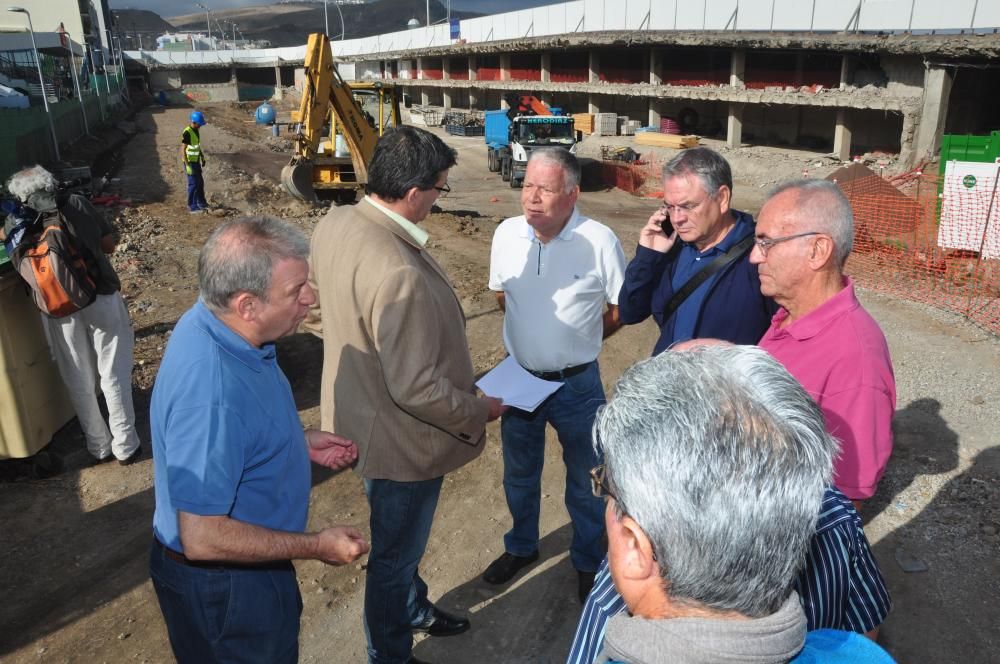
{"points": [[356, 116]]}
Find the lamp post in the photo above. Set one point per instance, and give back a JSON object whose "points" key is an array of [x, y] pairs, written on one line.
{"points": [[76, 83], [122, 87], [97, 86], [326, 20], [342, 29], [208, 23], [111, 50], [41, 77]]}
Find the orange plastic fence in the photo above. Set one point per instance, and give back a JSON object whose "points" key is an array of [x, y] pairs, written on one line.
{"points": [[928, 242]]}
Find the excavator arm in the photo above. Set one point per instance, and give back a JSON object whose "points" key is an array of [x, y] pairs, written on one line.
{"points": [[325, 91]]}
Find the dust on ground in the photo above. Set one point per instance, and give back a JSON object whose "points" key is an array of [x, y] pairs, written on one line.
{"points": [[74, 547]]}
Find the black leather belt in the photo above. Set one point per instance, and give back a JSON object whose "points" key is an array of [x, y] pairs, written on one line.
{"points": [[568, 372], [180, 558]]}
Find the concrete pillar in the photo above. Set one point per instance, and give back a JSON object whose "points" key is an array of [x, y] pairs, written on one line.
{"points": [[737, 68], [654, 67], [425, 99], [937, 88], [505, 66], [546, 66], [420, 68], [446, 68], [595, 67], [446, 98], [592, 105], [842, 135], [846, 71], [473, 68], [278, 91], [654, 113], [734, 128], [473, 99]]}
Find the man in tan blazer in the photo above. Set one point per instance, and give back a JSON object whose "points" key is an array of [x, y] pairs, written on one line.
{"points": [[397, 376]]}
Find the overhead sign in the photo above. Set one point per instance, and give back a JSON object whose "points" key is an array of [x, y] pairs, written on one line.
{"points": [[456, 32]]}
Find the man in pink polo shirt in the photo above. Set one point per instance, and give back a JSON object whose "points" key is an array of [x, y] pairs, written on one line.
{"points": [[822, 334]]}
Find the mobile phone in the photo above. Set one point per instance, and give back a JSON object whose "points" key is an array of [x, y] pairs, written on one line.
{"points": [[665, 224]]}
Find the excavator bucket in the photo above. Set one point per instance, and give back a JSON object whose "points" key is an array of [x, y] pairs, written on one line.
{"points": [[297, 179]]}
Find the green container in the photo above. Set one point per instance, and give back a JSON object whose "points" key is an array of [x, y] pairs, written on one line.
{"points": [[963, 147]]}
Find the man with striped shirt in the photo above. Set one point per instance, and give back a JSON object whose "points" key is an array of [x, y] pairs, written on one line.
{"points": [[841, 586], [717, 465]]}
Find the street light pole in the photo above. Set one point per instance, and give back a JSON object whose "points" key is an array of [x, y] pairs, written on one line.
{"points": [[342, 29], [111, 49], [97, 86], [41, 77], [76, 82], [208, 23]]}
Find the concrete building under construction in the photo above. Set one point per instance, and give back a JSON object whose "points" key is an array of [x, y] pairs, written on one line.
{"points": [[879, 82]]}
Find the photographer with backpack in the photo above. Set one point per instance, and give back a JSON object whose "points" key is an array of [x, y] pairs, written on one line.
{"points": [[59, 245]]}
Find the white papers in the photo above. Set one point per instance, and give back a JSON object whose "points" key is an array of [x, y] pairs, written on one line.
{"points": [[509, 382]]}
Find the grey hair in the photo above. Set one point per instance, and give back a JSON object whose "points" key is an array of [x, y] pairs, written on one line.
{"points": [[563, 158], [823, 207], [239, 257], [710, 167], [32, 180], [722, 458]]}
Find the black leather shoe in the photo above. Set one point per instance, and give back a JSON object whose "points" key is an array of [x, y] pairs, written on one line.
{"points": [[131, 458], [504, 568], [94, 461], [414, 660], [439, 623], [585, 581]]}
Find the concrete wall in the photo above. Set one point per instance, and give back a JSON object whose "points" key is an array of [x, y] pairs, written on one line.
{"points": [[186, 86], [906, 75], [366, 70], [219, 84]]}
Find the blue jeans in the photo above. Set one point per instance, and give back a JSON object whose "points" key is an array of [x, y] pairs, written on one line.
{"points": [[395, 595], [570, 411], [196, 188], [226, 614]]}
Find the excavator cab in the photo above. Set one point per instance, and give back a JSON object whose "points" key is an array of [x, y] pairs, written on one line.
{"points": [[339, 125]]}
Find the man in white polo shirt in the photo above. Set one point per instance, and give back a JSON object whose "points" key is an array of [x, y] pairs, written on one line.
{"points": [[553, 270]]}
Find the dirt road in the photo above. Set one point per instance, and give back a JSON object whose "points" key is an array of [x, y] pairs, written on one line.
{"points": [[74, 547]]}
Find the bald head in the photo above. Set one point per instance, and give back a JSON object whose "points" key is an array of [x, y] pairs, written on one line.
{"points": [[816, 205]]}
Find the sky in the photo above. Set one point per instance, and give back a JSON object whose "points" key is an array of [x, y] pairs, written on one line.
{"points": [[167, 8]]}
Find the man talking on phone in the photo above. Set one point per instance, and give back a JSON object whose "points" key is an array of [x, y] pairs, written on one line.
{"points": [[692, 269]]}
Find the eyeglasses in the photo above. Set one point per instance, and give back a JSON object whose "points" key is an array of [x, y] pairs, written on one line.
{"points": [[599, 487], [599, 482], [765, 243], [686, 208], [443, 190]]}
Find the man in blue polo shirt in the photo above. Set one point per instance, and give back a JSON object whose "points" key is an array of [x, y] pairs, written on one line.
{"points": [[231, 461], [697, 193]]}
